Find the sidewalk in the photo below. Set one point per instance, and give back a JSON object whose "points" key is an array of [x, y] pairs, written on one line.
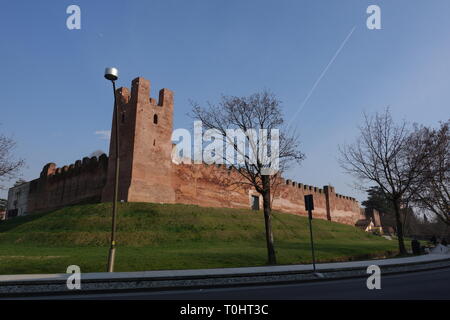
{"points": [[211, 273]]}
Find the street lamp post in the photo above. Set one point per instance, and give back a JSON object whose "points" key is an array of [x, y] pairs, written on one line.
{"points": [[112, 74]]}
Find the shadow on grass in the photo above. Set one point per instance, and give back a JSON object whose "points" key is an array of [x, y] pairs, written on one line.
{"points": [[10, 224]]}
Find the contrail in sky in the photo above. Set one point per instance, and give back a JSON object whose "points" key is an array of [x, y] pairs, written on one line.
{"points": [[322, 75]]}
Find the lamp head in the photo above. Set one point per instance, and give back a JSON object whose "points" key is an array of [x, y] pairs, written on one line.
{"points": [[111, 74]]}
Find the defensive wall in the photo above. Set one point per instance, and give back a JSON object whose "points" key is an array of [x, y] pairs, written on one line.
{"points": [[80, 182], [148, 174], [212, 185]]}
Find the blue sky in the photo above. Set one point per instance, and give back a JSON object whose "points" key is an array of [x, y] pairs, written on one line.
{"points": [[54, 97]]}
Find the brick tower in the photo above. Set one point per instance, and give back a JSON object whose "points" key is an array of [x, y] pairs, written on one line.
{"points": [[145, 146]]}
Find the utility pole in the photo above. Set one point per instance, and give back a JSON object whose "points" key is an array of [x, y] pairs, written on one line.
{"points": [[309, 206]]}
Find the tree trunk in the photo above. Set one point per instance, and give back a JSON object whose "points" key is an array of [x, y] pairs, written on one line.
{"points": [[401, 244], [268, 221]]}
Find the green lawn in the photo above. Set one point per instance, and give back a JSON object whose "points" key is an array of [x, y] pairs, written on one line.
{"points": [[157, 236]]}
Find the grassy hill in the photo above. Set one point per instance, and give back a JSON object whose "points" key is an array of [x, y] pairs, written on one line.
{"points": [[163, 236]]}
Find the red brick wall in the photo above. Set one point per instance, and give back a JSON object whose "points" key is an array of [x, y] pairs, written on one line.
{"points": [[147, 173], [80, 182], [209, 185]]}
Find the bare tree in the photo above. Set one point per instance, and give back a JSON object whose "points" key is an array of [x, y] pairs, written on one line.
{"points": [[9, 166], [432, 193], [251, 116], [386, 154]]}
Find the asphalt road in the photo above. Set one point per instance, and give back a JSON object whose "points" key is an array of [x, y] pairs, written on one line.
{"points": [[433, 284]]}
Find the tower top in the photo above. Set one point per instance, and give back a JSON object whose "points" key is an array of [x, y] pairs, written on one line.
{"points": [[140, 93]]}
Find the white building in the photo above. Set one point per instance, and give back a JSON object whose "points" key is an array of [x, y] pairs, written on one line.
{"points": [[18, 200]]}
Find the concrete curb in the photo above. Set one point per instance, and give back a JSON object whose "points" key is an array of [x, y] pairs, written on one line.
{"points": [[120, 283], [244, 271]]}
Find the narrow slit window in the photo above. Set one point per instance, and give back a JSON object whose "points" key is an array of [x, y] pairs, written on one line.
{"points": [[155, 119]]}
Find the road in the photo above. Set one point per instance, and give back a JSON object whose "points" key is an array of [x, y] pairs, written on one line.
{"points": [[433, 284]]}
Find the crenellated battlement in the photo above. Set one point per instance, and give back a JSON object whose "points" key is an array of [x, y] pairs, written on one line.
{"points": [[53, 173], [312, 189], [140, 93], [286, 184], [79, 182], [217, 185]]}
